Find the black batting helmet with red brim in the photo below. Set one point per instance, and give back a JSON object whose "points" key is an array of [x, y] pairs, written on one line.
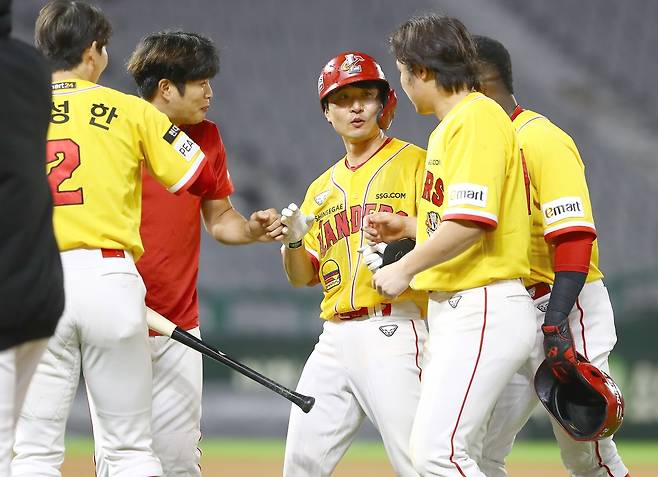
{"points": [[589, 407]]}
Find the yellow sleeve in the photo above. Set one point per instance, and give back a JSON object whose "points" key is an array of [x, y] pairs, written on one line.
{"points": [[476, 153], [559, 177], [171, 156]]}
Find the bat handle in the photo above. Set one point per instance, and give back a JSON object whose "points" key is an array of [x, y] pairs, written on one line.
{"points": [[305, 403]]}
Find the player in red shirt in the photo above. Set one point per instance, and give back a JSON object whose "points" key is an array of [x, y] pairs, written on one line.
{"points": [[173, 72]]}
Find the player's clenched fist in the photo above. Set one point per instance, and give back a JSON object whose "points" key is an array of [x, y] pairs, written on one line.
{"points": [[388, 227], [391, 280], [265, 225], [295, 225]]}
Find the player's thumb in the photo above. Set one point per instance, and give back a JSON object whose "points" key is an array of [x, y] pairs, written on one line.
{"points": [[262, 216]]}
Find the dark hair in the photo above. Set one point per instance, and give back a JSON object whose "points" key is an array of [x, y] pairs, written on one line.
{"points": [[174, 55], [493, 54], [66, 28], [382, 90], [441, 44]]}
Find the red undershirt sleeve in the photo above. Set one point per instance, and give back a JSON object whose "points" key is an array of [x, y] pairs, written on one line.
{"points": [[573, 252]]}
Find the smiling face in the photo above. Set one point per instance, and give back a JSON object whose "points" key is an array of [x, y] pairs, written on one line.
{"points": [[352, 110], [192, 106]]}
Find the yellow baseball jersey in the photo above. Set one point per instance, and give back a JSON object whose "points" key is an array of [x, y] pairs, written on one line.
{"points": [[473, 171], [97, 142], [339, 199], [560, 198]]}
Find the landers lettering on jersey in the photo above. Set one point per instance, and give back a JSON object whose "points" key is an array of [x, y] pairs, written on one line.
{"points": [[562, 208], [467, 194], [345, 223]]}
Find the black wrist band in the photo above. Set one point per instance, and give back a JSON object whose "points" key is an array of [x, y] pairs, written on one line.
{"points": [[295, 244]]}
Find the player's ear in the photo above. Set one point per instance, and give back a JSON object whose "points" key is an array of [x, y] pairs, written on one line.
{"points": [[423, 72], [326, 114], [164, 87]]}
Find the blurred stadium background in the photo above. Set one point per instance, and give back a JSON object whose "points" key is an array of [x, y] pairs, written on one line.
{"points": [[589, 65]]}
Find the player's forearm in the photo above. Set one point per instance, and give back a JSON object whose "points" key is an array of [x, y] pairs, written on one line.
{"points": [[230, 228], [298, 266], [450, 239], [410, 227]]}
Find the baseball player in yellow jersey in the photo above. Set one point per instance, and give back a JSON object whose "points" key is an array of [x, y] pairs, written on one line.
{"points": [[173, 70], [565, 281], [368, 361], [97, 142], [472, 237]]}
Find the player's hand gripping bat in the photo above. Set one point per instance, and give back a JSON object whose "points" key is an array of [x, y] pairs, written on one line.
{"points": [[162, 325]]}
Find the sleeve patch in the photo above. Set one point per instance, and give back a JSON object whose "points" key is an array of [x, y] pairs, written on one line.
{"points": [[186, 147], [171, 135], [467, 194], [562, 208]]}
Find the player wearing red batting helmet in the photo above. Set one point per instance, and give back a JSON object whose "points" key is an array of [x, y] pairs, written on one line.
{"points": [[356, 67], [369, 356]]}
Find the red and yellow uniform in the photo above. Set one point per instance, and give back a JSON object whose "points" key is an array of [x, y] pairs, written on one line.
{"points": [[560, 198], [170, 231], [339, 199], [97, 195], [473, 172]]}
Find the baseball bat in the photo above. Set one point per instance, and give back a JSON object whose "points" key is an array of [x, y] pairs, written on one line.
{"points": [[162, 325]]}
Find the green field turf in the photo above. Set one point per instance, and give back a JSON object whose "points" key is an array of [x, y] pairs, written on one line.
{"points": [[633, 452]]}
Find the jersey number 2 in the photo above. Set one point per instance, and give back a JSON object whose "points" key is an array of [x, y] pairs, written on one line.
{"points": [[66, 154]]}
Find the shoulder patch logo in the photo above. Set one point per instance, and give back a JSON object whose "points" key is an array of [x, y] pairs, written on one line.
{"points": [[562, 208], [454, 301], [322, 197], [467, 194], [388, 330]]}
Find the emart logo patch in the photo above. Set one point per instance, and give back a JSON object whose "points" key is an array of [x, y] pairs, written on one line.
{"points": [[467, 194], [562, 208]]}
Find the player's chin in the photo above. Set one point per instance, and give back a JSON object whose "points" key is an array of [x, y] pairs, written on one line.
{"points": [[198, 116]]}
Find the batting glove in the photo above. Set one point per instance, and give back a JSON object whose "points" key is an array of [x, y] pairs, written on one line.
{"points": [[559, 350], [295, 224], [373, 255]]}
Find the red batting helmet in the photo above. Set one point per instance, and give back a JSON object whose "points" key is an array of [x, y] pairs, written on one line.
{"points": [[352, 67], [589, 407]]}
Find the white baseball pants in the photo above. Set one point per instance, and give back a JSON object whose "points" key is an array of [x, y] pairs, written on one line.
{"points": [[593, 330], [176, 421], [103, 333], [478, 339], [355, 371], [17, 365]]}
